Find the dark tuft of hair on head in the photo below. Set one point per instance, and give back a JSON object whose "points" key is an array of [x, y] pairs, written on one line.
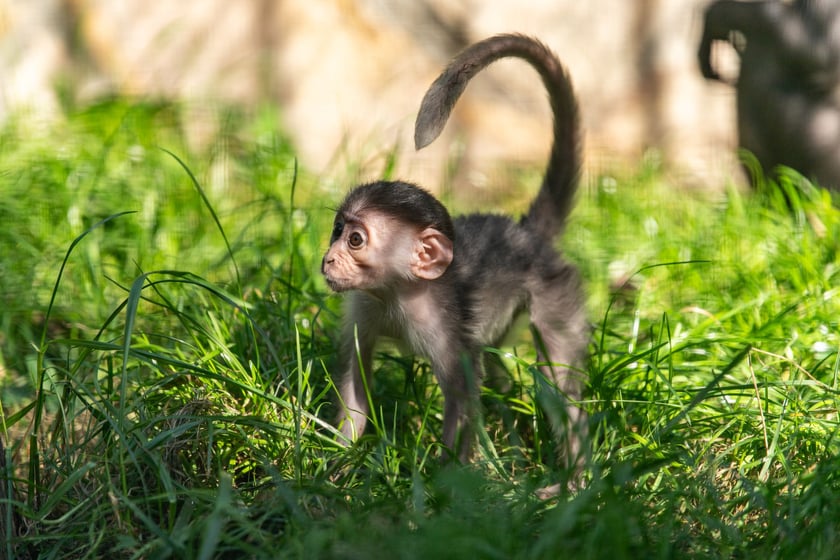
{"points": [[404, 201]]}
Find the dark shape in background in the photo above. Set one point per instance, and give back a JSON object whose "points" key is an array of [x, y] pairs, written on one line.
{"points": [[788, 99]]}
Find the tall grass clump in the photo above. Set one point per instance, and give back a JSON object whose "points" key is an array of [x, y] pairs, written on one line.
{"points": [[168, 356]]}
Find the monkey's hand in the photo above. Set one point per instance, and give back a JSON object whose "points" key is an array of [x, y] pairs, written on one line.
{"points": [[704, 57]]}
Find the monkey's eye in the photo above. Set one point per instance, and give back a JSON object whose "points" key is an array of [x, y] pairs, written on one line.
{"points": [[356, 240]]}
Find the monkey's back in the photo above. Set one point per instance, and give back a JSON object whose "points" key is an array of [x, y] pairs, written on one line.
{"points": [[500, 264]]}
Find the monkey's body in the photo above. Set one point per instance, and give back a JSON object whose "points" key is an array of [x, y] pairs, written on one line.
{"points": [[788, 87], [449, 288]]}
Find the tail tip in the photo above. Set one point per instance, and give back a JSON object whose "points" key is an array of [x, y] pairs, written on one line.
{"points": [[423, 137], [432, 117]]}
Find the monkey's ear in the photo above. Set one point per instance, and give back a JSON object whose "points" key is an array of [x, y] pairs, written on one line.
{"points": [[434, 254]]}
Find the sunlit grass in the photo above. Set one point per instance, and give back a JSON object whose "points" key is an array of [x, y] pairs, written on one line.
{"points": [[168, 353]]}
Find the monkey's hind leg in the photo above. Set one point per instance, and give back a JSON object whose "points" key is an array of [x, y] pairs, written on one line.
{"points": [[459, 378], [561, 334]]}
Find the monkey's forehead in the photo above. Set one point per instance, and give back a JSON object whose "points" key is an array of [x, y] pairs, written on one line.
{"points": [[353, 212], [359, 214]]}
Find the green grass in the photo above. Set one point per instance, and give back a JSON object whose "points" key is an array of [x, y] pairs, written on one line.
{"points": [[167, 357]]}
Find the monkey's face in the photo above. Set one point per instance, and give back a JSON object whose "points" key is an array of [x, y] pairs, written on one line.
{"points": [[367, 252], [372, 251]]}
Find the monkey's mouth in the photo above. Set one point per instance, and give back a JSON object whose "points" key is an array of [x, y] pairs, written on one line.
{"points": [[336, 284]]}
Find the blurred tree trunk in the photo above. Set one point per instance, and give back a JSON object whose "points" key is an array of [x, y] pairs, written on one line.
{"points": [[648, 79]]}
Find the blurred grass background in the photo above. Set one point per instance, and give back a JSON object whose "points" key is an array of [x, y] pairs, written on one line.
{"points": [[168, 348]]}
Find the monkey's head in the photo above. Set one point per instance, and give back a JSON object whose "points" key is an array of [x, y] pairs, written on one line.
{"points": [[388, 234]]}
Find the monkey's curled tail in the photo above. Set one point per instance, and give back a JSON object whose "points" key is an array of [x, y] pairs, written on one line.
{"points": [[553, 203]]}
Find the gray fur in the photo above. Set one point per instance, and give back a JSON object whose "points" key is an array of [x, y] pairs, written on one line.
{"points": [[500, 268]]}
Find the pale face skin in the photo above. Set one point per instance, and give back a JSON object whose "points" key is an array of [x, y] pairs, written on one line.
{"points": [[373, 252]]}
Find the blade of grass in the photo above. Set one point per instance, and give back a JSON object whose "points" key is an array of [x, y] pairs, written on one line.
{"points": [[40, 400], [212, 211]]}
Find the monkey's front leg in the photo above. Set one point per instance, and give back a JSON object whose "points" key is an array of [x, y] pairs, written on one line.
{"points": [[354, 408], [359, 337]]}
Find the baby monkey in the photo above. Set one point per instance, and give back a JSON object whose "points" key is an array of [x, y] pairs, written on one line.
{"points": [[448, 288]]}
